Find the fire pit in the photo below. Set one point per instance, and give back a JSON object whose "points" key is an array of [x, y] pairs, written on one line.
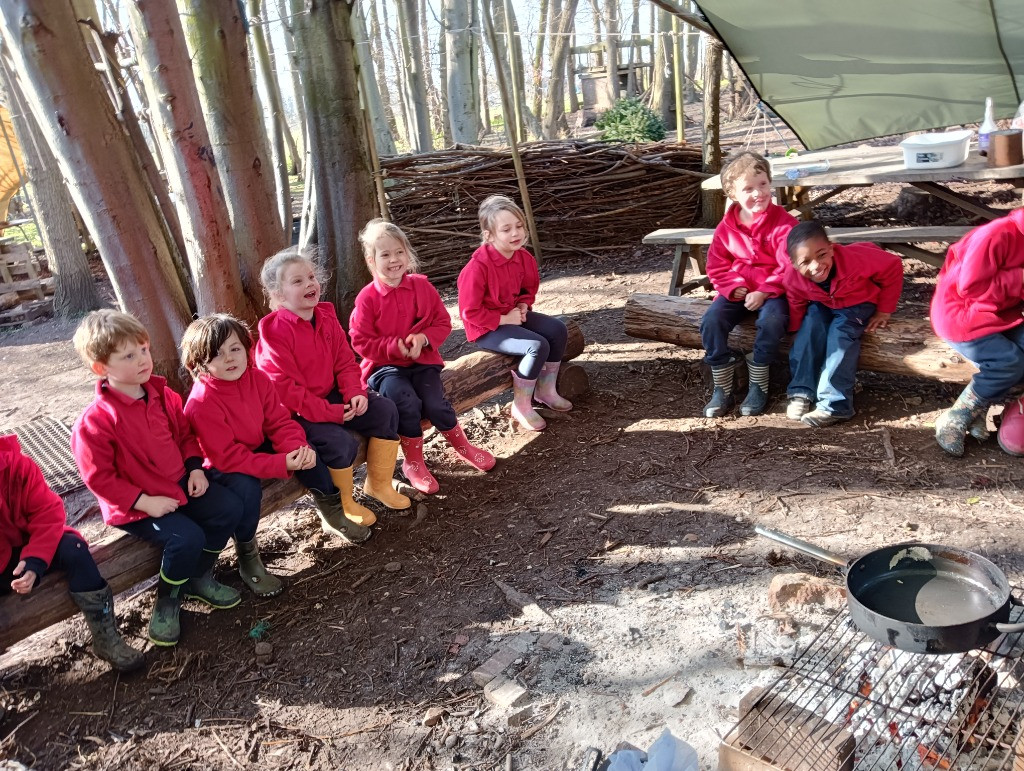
{"points": [[849, 703]]}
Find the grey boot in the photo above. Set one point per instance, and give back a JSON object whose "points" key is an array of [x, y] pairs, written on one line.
{"points": [[98, 608], [757, 395], [205, 588], [254, 572], [334, 521], [952, 426], [721, 399]]}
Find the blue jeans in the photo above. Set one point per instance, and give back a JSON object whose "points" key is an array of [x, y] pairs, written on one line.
{"points": [[723, 315], [538, 340], [823, 359], [999, 358]]}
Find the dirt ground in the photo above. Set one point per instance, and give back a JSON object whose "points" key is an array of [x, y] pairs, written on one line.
{"points": [[628, 522]]}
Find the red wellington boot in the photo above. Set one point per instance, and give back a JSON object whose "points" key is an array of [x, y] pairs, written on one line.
{"points": [[473, 455], [1011, 430], [414, 467]]}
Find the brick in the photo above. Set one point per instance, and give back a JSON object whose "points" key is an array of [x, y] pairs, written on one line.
{"points": [[550, 641], [522, 642], [494, 666], [791, 590], [507, 693]]}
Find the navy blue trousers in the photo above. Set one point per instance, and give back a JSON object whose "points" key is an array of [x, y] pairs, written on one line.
{"points": [[333, 443], [724, 314], [417, 393], [72, 556]]}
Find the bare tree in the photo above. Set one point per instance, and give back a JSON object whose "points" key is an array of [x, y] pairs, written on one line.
{"points": [[485, 102], [461, 86], [441, 108], [660, 100], [384, 140], [554, 110], [282, 118], [570, 69], [692, 45], [404, 112], [611, 49], [538, 57], [293, 71], [380, 70], [418, 117], [712, 204]]}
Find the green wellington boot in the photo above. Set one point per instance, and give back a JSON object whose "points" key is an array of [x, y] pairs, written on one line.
{"points": [[98, 608], [254, 572], [205, 588], [164, 626]]}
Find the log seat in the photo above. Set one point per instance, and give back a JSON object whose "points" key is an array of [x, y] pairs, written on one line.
{"points": [[125, 561]]}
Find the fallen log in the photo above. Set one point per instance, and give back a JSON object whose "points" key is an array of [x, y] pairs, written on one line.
{"points": [[125, 561], [906, 347]]}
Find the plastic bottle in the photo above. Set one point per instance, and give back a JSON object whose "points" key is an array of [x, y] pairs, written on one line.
{"points": [[988, 125]]}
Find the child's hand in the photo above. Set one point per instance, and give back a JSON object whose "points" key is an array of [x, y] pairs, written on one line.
{"points": [[300, 459], [514, 317], [523, 309], [356, 406], [754, 300], [878, 321], [156, 506], [739, 294], [197, 483], [416, 342], [24, 584]]}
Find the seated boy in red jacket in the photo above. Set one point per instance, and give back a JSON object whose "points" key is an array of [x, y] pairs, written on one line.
{"points": [[836, 294], [139, 457], [34, 541]]}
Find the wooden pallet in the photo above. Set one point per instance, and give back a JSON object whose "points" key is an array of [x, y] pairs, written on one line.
{"points": [[22, 274], [26, 312]]}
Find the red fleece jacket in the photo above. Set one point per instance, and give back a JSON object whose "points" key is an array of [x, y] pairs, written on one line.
{"points": [[491, 285], [754, 257], [384, 315]]}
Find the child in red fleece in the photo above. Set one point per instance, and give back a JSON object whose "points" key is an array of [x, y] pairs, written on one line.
{"points": [[836, 294], [746, 262], [977, 307], [397, 327], [139, 457], [497, 288], [303, 349], [244, 431], [34, 541]]}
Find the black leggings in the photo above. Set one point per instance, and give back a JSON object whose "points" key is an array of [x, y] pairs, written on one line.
{"points": [[72, 556]]}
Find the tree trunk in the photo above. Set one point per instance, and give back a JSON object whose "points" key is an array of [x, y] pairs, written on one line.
{"points": [[442, 91], [215, 35], [712, 206], [434, 107], [64, 92], [382, 136], [611, 48], [418, 118], [632, 87], [380, 71], [461, 86], [340, 162], [75, 290], [570, 69], [661, 84], [180, 130], [691, 41], [554, 112], [261, 52], [485, 96], [538, 57], [404, 111], [282, 117], [293, 71]]}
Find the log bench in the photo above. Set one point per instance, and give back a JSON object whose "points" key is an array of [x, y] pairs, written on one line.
{"points": [[125, 561], [905, 347], [897, 239]]}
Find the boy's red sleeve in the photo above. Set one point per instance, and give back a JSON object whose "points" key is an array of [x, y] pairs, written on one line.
{"points": [[92, 444], [719, 265], [183, 433], [889, 277], [42, 508]]}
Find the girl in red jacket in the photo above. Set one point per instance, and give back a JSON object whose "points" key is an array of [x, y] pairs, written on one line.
{"points": [[496, 293], [34, 540], [746, 262], [977, 309], [245, 432], [303, 349], [397, 327]]}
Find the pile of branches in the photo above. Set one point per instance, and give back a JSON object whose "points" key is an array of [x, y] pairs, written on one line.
{"points": [[587, 197]]}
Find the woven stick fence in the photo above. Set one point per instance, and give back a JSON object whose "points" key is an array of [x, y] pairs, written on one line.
{"points": [[588, 197]]}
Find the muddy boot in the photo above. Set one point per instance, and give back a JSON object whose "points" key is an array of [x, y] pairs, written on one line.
{"points": [[545, 392], [522, 403], [414, 467], [952, 426], [475, 456], [381, 455], [205, 588], [333, 519], [721, 398], [98, 608], [342, 478], [164, 628], [253, 572], [979, 428], [757, 395]]}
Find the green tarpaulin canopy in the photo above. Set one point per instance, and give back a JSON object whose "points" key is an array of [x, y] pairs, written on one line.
{"points": [[839, 71]]}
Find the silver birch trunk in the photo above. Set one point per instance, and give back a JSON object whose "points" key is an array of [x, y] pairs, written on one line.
{"points": [[661, 81], [611, 50], [382, 135], [485, 96], [632, 88], [185, 145], [293, 71], [538, 57], [404, 111], [380, 70], [434, 106], [442, 91], [554, 109], [282, 117], [460, 50], [215, 35], [570, 70], [71, 107], [712, 206], [74, 292], [691, 42], [418, 117]]}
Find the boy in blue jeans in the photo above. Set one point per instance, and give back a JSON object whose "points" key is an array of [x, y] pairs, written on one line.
{"points": [[836, 294]]}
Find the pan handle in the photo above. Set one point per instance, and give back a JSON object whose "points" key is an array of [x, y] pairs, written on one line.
{"points": [[1009, 628], [802, 546]]}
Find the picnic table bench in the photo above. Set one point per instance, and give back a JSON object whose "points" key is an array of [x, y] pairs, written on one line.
{"points": [[125, 561], [692, 241]]}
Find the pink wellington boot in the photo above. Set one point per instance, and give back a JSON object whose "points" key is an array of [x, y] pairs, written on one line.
{"points": [[1011, 429], [522, 403], [546, 393], [473, 455], [414, 467]]}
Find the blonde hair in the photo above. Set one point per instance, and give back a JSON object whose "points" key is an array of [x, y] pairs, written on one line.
{"points": [[102, 332], [205, 336], [378, 227], [270, 273], [741, 164], [491, 207]]}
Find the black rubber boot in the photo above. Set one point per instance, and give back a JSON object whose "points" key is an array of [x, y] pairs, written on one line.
{"points": [[757, 396], [334, 521], [98, 608], [164, 626]]}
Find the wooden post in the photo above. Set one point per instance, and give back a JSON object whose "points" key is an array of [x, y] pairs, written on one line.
{"points": [[677, 81], [517, 161]]}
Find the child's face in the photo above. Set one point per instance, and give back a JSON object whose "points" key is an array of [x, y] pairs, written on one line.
{"points": [[813, 259], [390, 260], [300, 291], [753, 192], [230, 361], [128, 367], [508, 235]]}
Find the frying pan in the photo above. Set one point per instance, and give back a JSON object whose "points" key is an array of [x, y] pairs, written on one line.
{"points": [[920, 597]]}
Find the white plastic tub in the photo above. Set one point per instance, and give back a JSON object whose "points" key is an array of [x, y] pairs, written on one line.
{"points": [[936, 151]]}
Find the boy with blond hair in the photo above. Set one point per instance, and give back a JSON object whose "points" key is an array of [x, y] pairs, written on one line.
{"points": [[138, 455]]}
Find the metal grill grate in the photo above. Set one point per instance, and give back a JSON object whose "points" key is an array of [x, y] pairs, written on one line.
{"points": [[849, 703], [48, 442]]}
